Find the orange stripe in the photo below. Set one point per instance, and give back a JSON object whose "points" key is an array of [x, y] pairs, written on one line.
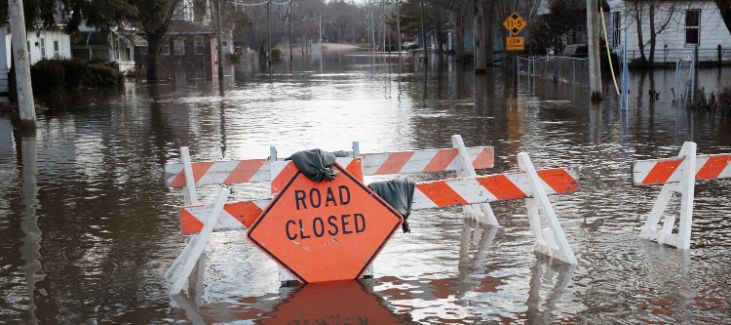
{"points": [[394, 163], [502, 187], [713, 167], [559, 180], [441, 160], [179, 180], [355, 168], [284, 176], [199, 169], [244, 212], [486, 159], [441, 194], [189, 224], [244, 171], [661, 172]]}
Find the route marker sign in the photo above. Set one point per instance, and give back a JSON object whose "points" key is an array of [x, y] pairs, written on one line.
{"points": [[514, 43], [515, 23], [325, 231]]}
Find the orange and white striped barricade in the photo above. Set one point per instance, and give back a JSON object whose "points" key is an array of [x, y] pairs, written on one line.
{"points": [[188, 175], [678, 175], [529, 184]]}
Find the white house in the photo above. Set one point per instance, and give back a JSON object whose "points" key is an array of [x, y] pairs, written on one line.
{"points": [[681, 26], [93, 44], [42, 44]]}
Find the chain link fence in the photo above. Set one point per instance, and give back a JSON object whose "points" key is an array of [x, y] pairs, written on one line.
{"points": [[564, 69]]}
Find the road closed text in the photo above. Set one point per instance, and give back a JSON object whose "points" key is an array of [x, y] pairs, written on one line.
{"points": [[326, 224]]}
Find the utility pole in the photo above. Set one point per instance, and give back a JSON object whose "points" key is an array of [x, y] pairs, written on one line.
{"points": [[592, 33], [26, 106], [398, 25], [219, 42], [423, 32]]}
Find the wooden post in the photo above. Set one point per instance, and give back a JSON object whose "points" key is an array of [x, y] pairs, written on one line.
{"points": [[26, 105], [592, 35]]}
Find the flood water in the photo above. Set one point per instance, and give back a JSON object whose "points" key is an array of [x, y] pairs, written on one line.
{"points": [[88, 227]]}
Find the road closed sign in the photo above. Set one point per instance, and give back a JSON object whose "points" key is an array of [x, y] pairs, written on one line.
{"points": [[325, 231]]}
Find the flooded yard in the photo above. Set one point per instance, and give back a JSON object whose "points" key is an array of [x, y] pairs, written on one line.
{"points": [[89, 227]]}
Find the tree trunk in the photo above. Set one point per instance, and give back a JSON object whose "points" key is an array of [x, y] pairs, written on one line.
{"points": [[153, 52], [489, 30], [459, 30], [640, 41], [479, 39], [653, 35], [440, 38]]}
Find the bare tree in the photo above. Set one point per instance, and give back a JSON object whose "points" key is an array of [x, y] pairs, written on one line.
{"points": [[660, 14]]}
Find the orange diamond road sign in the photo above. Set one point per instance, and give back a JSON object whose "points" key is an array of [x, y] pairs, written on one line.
{"points": [[515, 23], [515, 43], [325, 231]]}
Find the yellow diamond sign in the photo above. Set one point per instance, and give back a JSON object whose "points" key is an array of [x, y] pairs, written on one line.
{"points": [[515, 23]]}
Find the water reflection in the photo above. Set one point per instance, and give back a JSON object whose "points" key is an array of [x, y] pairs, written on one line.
{"points": [[348, 302], [32, 235]]}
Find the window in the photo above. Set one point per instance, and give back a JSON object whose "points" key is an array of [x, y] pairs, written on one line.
{"points": [[165, 49], [617, 29], [143, 50], [179, 47], [692, 26], [43, 48], [56, 52], [198, 45]]}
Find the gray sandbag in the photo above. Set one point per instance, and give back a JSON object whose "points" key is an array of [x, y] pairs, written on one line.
{"points": [[398, 193], [317, 164]]}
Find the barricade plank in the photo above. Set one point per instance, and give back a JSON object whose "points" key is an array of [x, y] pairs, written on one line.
{"points": [[662, 171], [427, 195], [403, 162]]}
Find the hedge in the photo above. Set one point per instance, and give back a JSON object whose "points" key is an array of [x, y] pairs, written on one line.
{"points": [[49, 75]]}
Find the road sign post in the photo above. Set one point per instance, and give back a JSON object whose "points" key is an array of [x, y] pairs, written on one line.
{"points": [[325, 231]]}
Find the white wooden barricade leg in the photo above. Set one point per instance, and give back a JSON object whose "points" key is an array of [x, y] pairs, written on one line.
{"points": [[284, 277], [550, 239], [180, 274], [191, 198], [369, 271], [481, 212], [686, 188]]}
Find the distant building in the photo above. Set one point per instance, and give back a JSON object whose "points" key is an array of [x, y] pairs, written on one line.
{"points": [[686, 25], [42, 44], [112, 46], [189, 46]]}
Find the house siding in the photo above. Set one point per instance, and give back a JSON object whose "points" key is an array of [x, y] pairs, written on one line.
{"points": [[670, 44], [195, 66]]}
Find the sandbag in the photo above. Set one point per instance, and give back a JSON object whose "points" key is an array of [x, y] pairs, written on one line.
{"points": [[398, 193], [316, 164]]}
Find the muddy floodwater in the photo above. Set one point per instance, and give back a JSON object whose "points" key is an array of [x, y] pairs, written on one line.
{"points": [[88, 228]]}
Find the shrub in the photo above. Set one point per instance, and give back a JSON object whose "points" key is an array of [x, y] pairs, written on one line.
{"points": [[76, 72], [102, 75], [712, 103], [47, 75]]}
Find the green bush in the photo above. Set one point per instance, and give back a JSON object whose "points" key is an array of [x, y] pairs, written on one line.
{"points": [[102, 75], [47, 75], [76, 72]]}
